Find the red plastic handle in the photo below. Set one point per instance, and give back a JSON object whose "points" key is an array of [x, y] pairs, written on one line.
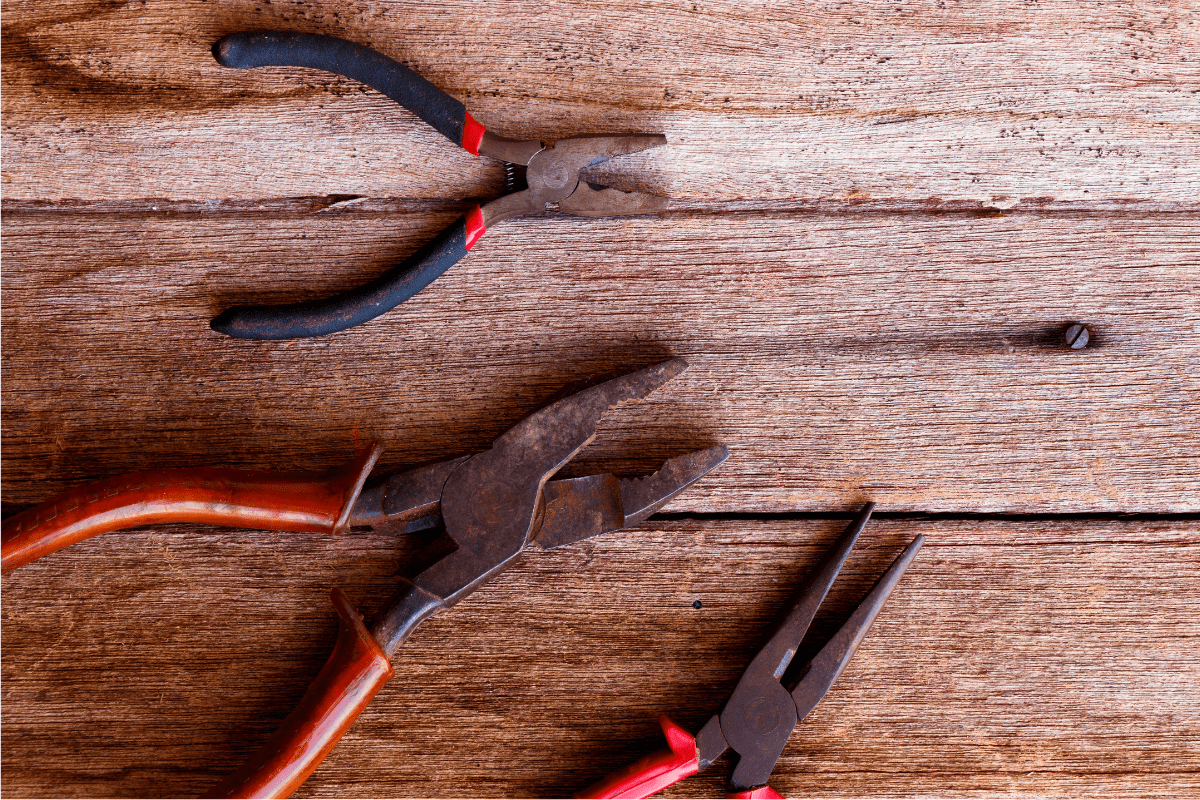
{"points": [[656, 771], [761, 793], [355, 672], [475, 226], [299, 501], [472, 134]]}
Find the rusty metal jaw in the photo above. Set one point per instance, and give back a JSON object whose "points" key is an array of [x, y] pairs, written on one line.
{"points": [[496, 502], [572, 509], [589, 201], [580, 508], [761, 713], [554, 179], [555, 175], [827, 665], [490, 501]]}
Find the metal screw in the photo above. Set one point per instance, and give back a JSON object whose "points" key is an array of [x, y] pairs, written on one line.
{"points": [[1076, 336]]}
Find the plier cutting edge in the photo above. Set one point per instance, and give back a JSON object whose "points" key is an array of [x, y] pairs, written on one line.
{"points": [[492, 505], [760, 715], [553, 174]]}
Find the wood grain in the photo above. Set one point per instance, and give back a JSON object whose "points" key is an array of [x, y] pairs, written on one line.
{"points": [[910, 358], [905, 104], [1014, 658], [883, 215]]}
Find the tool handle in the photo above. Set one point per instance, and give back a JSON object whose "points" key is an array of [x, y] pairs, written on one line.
{"points": [[656, 771], [449, 117], [346, 310], [356, 670], [296, 501], [761, 793]]}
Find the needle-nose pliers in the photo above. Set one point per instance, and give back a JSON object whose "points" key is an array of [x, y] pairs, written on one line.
{"points": [[491, 505], [553, 174], [772, 696]]}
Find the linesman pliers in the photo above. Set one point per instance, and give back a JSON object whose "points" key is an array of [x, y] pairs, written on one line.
{"points": [[491, 505], [553, 174]]}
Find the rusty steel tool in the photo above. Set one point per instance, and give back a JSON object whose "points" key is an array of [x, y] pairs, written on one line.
{"points": [[554, 175], [772, 696], [491, 505]]}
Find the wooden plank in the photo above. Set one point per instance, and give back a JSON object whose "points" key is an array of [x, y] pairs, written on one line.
{"points": [[913, 359], [1018, 658], [871, 102], [909, 358]]}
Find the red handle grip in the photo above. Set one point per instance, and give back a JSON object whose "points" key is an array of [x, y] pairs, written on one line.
{"points": [[475, 224], [761, 793], [656, 771], [356, 670], [300, 501]]}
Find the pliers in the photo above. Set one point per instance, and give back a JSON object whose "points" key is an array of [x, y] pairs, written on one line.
{"points": [[491, 505], [553, 174], [772, 696]]}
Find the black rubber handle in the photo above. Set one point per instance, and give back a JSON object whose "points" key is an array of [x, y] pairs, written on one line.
{"points": [[353, 307], [249, 49]]}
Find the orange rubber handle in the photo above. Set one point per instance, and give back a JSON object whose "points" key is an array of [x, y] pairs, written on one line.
{"points": [[354, 673], [282, 501]]}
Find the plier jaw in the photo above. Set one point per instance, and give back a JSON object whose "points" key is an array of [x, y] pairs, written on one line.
{"points": [[555, 178], [494, 503], [556, 174], [764, 708]]}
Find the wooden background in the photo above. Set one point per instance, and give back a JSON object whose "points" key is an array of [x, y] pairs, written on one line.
{"points": [[884, 213]]}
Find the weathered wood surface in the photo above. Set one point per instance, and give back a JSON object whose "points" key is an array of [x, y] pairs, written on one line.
{"points": [[923, 104], [849, 339], [913, 359], [1021, 658]]}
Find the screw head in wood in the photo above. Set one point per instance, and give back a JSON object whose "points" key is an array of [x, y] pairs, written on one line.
{"points": [[1076, 336]]}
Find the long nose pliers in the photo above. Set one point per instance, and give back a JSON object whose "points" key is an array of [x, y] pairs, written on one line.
{"points": [[772, 696], [491, 505], [553, 174]]}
